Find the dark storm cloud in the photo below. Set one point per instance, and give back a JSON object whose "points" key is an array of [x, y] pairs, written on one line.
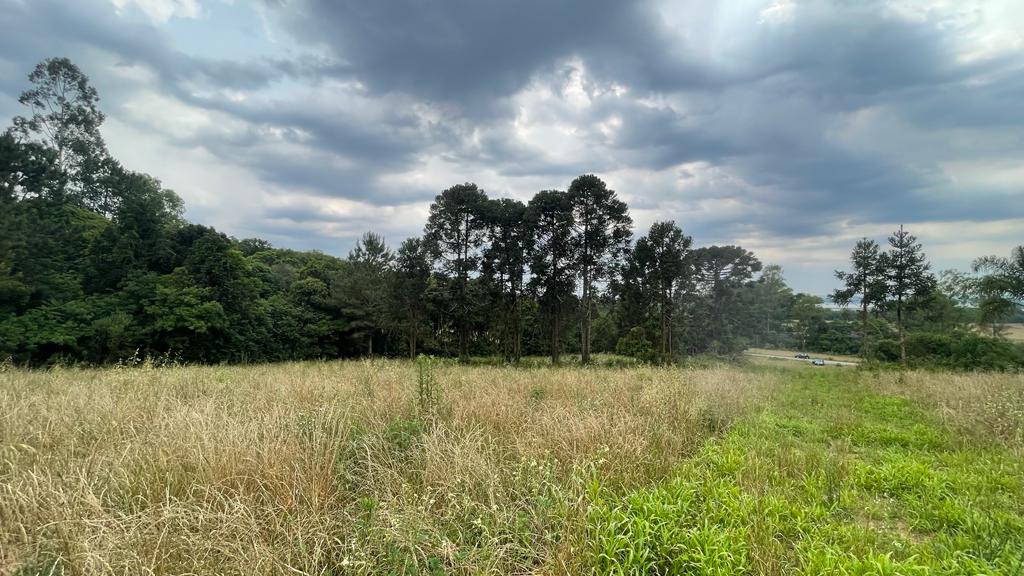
{"points": [[763, 109], [468, 53], [839, 112]]}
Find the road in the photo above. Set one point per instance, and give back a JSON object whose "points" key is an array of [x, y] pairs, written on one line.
{"points": [[827, 362]]}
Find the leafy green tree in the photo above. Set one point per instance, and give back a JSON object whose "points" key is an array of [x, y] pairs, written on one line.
{"points": [[907, 275], [808, 318], [138, 238], [65, 118], [504, 266], [660, 268], [866, 278], [410, 282], [213, 262], [454, 233], [601, 232], [637, 345], [553, 258], [722, 271], [1001, 288], [187, 319], [363, 288], [27, 170], [769, 301]]}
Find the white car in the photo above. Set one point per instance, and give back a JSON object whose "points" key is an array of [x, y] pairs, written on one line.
{"points": [[818, 362]]}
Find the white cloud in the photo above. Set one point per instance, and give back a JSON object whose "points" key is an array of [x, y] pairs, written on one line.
{"points": [[160, 11]]}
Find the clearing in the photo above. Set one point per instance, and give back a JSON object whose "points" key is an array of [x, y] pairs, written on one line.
{"points": [[395, 467]]}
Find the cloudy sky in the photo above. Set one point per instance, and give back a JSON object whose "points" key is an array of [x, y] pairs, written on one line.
{"points": [[791, 127]]}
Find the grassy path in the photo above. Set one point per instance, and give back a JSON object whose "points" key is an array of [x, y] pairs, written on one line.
{"points": [[831, 478]]}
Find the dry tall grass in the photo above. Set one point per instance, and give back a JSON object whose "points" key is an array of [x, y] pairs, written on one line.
{"points": [[982, 405], [327, 468]]}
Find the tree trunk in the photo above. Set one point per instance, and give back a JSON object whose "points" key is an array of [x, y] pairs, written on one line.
{"points": [[899, 325], [666, 331], [864, 328], [555, 351], [413, 325], [517, 337], [370, 347], [585, 331]]}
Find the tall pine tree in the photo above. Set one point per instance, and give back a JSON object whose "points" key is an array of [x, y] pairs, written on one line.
{"points": [[906, 275], [601, 231], [866, 278]]}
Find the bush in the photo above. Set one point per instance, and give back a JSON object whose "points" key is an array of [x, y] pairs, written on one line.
{"points": [[636, 345], [929, 346], [958, 350], [976, 352]]}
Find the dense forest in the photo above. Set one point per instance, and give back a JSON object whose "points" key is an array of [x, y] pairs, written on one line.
{"points": [[98, 265]]}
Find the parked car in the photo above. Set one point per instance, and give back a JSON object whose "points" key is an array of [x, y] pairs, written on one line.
{"points": [[818, 362], [802, 356]]}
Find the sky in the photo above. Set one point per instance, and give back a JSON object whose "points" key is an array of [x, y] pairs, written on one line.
{"points": [[790, 127]]}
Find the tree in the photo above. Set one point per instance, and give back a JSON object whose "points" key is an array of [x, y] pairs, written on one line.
{"points": [[453, 235], [553, 257], [362, 290], [408, 290], [865, 278], [722, 271], [661, 262], [1002, 288], [213, 262], [769, 300], [503, 267], [906, 275], [27, 169], [807, 316], [601, 231], [65, 117], [137, 239]]}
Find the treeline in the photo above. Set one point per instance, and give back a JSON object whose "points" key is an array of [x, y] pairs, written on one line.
{"points": [[97, 265], [907, 314]]}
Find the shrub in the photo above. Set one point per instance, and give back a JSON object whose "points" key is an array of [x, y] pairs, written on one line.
{"points": [[635, 344]]}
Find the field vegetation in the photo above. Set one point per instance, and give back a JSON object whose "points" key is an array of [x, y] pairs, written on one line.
{"points": [[432, 467]]}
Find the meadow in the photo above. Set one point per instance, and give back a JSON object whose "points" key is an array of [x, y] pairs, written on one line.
{"points": [[397, 467]]}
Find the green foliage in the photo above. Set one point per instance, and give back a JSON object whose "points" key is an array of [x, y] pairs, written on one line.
{"points": [[552, 258], [832, 478], [958, 350], [601, 235], [635, 344], [453, 235], [427, 392]]}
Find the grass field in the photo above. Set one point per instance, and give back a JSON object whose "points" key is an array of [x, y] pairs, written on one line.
{"points": [[394, 467], [1015, 332]]}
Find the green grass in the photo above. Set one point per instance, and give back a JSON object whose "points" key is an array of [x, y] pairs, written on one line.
{"points": [[832, 478], [334, 468]]}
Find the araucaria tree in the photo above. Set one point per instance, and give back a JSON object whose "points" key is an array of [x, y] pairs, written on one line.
{"points": [[722, 271], [601, 233], [906, 275], [866, 278], [503, 267], [454, 233], [661, 261], [553, 257], [409, 284]]}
